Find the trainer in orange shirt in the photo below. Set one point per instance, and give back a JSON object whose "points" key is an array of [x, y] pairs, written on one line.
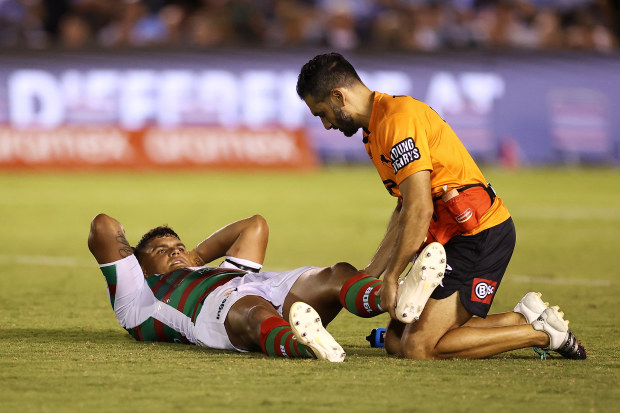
{"points": [[442, 197]]}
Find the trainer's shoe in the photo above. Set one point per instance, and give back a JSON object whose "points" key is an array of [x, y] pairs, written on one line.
{"points": [[561, 339], [531, 306], [309, 331], [425, 275]]}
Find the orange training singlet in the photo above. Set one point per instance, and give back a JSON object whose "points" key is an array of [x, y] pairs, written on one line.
{"points": [[407, 136]]}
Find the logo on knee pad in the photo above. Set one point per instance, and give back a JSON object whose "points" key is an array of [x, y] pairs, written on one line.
{"points": [[483, 290]]}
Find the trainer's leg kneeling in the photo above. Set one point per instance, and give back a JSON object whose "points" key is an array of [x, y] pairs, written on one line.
{"points": [[417, 349], [419, 341], [393, 338]]}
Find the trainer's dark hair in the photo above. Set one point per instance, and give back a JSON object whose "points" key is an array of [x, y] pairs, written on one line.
{"points": [[157, 232], [324, 73]]}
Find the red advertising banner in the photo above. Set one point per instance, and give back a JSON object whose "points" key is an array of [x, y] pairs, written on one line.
{"points": [[82, 147]]}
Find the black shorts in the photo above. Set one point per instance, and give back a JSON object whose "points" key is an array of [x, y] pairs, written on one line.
{"points": [[476, 265]]}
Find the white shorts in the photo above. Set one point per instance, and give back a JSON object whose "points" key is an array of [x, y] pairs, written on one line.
{"points": [[272, 286]]}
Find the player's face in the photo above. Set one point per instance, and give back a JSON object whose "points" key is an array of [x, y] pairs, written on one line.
{"points": [[165, 254], [332, 116]]}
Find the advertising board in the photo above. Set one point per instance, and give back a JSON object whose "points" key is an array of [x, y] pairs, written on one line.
{"points": [[240, 108]]}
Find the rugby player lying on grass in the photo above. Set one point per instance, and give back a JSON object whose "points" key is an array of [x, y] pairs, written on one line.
{"points": [[160, 292]]}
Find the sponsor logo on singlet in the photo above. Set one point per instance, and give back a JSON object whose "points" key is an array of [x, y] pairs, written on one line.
{"points": [[404, 153], [482, 290]]}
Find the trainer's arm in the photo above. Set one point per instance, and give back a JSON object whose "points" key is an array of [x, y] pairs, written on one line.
{"points": [[106, 240], [413, 221], [246, 239], [380, 260]]}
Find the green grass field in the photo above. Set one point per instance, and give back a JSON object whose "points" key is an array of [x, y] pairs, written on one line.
{"points": [[61, 348]]}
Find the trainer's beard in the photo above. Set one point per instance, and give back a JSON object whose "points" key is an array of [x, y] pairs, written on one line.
{"points": [[344, 122]]}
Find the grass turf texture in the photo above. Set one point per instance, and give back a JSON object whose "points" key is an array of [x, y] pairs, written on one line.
{"points": [[61, 348]]}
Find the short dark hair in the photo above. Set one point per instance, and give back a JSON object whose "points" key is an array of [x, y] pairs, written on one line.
{"points": [[324, 73], [157, 232]]}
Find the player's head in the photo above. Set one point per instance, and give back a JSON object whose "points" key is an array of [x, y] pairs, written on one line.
{"points": [[160, 250], [322, 83], [324, 73]]}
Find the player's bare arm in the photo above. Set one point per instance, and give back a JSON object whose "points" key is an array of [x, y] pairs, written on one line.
{"points": [[246, 239], [413, 221], [107, 241], [380, 260]]}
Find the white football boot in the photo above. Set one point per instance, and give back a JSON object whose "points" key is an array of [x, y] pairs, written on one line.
{"points": [[309, 331], [425, 275], [531, 306], [561, 339]]}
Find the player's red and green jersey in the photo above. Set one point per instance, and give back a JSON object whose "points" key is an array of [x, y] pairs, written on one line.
{"points": [[183, 289]]}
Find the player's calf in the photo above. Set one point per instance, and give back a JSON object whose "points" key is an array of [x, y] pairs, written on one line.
{"points": [[360, 295], [277, 339]]}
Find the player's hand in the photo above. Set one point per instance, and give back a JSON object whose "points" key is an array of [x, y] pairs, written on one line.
{"points": [[388, 295]]}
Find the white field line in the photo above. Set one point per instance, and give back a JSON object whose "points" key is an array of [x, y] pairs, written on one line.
{"points": [[567, 212], [47, 261], [557, 281], [53, 261]]}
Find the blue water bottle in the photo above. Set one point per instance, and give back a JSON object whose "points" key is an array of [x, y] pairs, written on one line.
{"points": [[376, 337]]}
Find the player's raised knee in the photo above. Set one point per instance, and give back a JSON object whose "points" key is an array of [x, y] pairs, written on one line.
{"points": [[258, 224], [343, 268]]}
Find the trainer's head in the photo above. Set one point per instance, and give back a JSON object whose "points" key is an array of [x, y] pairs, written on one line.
{"points": [[326, 83], [160, 250]]}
